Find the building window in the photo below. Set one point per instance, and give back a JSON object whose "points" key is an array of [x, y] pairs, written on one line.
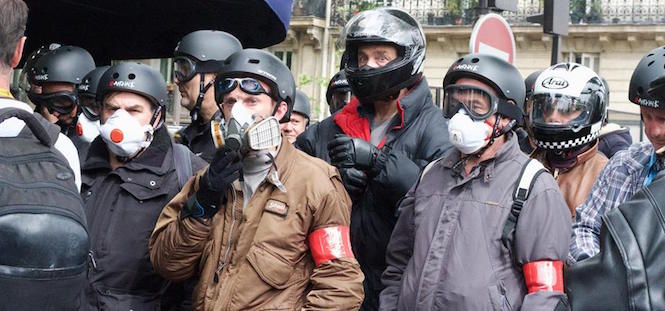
{"points": [[285, 56], [591, 60]]}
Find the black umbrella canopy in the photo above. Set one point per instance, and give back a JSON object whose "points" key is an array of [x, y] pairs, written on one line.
{"points": [[137, 29]]}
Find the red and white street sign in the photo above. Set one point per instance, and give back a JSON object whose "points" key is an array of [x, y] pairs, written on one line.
{"points": [[492, 35]]}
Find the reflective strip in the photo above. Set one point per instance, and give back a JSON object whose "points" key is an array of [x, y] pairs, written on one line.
{"points": [[543, 276], [330, 243]]}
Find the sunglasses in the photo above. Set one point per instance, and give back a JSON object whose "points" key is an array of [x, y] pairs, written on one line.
{"points": [[184, 68], [248, 85], [60, 102]]}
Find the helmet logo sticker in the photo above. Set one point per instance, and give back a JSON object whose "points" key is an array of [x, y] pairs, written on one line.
{"points": [[84, 87], [649, 102], [467, 67], [41, 77], [555, 83], [120, 83], [267, 74]]}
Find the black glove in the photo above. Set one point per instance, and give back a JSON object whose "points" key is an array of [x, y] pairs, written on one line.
{"points": [[345, 151], [355, 181], [214, 184]]}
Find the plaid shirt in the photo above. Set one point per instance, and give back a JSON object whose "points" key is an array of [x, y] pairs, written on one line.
{"points": [[623, 176]]}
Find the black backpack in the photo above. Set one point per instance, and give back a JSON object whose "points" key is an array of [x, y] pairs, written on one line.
{"points": [[43, 234], [629, 271]]}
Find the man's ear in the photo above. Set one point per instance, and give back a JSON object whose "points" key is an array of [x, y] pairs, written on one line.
{"points": [[281, 110], [18, 52]]}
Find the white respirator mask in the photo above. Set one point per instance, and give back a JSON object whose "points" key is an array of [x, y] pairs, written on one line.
{"points": [[87, 129], [124, 135], [466, 135], [245, 131]]}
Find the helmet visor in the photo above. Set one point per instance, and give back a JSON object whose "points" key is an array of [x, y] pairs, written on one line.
{"points": [[184, 68], [477, 102], [558, 110], [383, 26]]}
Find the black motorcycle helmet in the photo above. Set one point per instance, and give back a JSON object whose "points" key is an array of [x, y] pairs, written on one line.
{"points": [[567, 89], [88, 92], [529, 84], [502, 76], [648, 70], [67, 63], [260, 65], [206, 48], [338, 84], [27, 77], [384, 26], [136, 78]]}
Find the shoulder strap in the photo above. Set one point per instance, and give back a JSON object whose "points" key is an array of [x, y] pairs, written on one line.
{"points": [[183, 163], [528, 175], [46, 132]]}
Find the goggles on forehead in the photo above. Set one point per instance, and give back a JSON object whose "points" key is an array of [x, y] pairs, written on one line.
{"points": [[248, 85], [184, 68], [477, 102], [89, 107], [60, 102]]}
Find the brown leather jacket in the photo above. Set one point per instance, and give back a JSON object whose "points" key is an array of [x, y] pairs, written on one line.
{"points": [[576, 182], [259, 258]]}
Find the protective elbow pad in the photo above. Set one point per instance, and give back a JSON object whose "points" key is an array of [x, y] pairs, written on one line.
{"points": [[544, 275], [330, 243]]}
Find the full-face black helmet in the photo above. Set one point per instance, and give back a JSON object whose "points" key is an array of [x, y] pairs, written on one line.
{"points": [[384, 26]]}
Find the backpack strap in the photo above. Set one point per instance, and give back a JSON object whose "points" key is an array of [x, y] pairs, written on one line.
{"points": [[36, 125], [525, 182], [183, 163]]}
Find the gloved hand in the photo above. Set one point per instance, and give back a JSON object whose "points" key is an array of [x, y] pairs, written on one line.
{"points": [[345, 151], [355, 181], [215, 182]]}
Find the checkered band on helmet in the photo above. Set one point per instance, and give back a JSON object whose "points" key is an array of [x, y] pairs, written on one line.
{"points": [[568, 144]]}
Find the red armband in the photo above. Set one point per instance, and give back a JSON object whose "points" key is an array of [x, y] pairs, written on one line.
{"points": [[330, 243], [543, 275]]}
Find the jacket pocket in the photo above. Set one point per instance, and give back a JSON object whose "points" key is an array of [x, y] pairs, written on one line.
{"points": [[111, 300], [498, 298], [272, 269]]}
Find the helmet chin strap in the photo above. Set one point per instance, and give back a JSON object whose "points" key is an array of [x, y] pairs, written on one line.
{"points": [[496, 133], [203, 88]]}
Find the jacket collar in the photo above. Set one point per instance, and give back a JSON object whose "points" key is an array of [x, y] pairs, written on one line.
{"points": [[151, 159], [353, 119]]}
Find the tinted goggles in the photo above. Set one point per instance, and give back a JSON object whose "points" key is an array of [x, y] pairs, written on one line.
{"points": [[248, 85], [184, 68], [477, 102], [90, 108], [60, 102]]}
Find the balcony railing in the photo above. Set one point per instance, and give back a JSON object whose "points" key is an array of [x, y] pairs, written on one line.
{"points": [[316, 8], [462, 12]]}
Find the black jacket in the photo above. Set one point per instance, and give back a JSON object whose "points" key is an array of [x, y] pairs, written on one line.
{"points": [[197, 137], [122, 207], [614, 140], [418, 135]]}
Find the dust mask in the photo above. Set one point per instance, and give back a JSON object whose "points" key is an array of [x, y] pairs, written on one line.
{"points": [[124, 135], [467, 135]]}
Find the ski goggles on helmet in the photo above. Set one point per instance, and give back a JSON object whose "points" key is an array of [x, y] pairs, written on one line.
{"points": [[60, 102], [89, 107], [184, 68], [558, 109], [248, 85], [477, 102]]}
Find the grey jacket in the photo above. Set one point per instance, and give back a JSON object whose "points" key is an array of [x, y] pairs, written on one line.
{"points": [[446, 253]]}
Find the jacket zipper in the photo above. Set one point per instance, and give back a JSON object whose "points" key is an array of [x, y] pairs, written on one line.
{"points": [[228, 243]]}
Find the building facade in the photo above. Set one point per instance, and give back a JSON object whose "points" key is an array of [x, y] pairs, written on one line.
{"points": [[609, 36]]}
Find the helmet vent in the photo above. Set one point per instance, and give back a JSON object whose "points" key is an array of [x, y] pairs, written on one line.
{"points": [[131, 76], [651, 63], [460, 60], [475, 60], [650, 54], [115, 75], [254, 61]]}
